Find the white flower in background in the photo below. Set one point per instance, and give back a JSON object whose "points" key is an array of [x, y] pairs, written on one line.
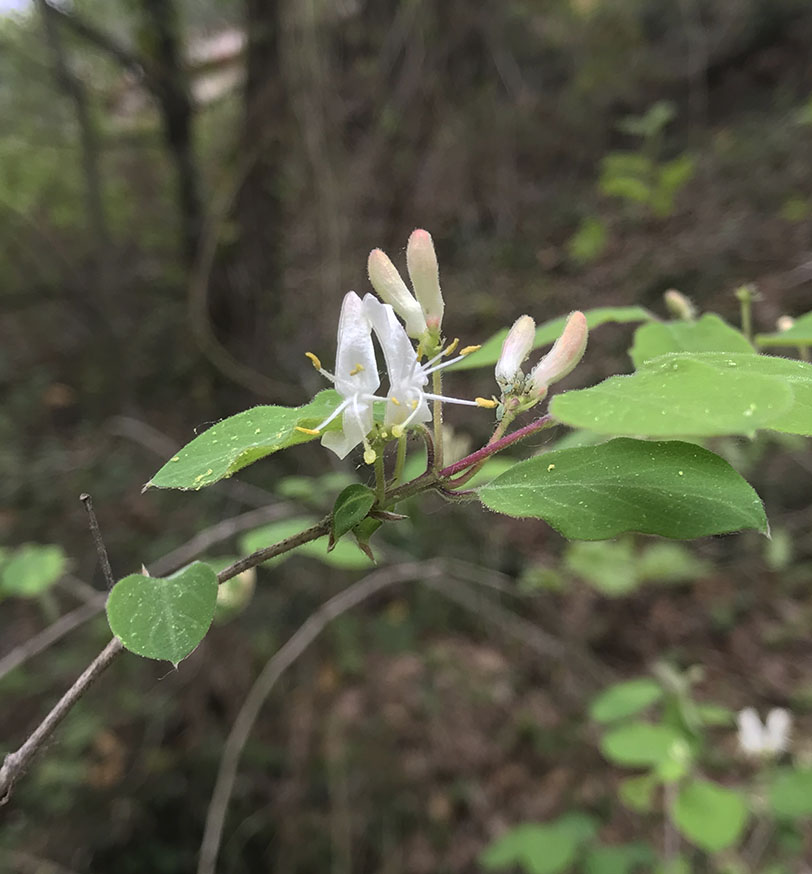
{"points": [[406, 402], [356, 379], [567, 351], [423, 310], [768, 739], [515, 350]]}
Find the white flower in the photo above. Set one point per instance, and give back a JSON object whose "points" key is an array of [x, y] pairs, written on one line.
{"points": [[515, 350], [421, 261], [769, 739], [567, 351], [391, 288], [407, 397], [356, 379]]}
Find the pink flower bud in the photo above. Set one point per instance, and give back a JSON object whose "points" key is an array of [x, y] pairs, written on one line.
{"points": [[567, 351], [515, 350], [391, 288], [421, 261]]}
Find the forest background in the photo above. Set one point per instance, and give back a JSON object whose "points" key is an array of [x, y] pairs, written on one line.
{"points": [[187, 189]]}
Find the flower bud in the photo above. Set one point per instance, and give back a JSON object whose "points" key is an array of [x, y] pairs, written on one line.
{"points": [[679, 305], [515, 350], [391, 288], [784, 323], [421, 261], [567, 351]]}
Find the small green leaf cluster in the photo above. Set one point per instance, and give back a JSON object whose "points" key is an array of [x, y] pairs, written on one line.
{"points": [[31, 569]]}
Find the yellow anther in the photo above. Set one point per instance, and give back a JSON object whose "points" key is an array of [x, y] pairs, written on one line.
{"points": [[357, 369], [314, 432], [488, 403], [419, 352], [395, 401], [314, 359], [452, 347], [413, 405], [469, 349], [370, 455], [397, 431]]}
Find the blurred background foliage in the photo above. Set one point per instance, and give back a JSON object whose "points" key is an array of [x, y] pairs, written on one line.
{"points": [[187, 188]]}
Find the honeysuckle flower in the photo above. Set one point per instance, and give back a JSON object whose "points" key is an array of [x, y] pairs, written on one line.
{"points": [[515, 350], [768, 739], [391, 288], [356, 379], [567, 351], [421, 261], [406, 402]]}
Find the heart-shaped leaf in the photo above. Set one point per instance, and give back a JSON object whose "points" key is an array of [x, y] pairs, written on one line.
{"points": [[163, 618], [708, 334]]}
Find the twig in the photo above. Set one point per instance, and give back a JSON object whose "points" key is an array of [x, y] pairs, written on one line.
{"points": [[265, 682], [95, 532], [50, 635], [16, 762]]}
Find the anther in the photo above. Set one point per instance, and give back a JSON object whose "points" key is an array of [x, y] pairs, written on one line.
{"points": [[314, 432], [487, 403], [469, 349], [394, 400], [357, 369], [452, 347], [314, 359]]}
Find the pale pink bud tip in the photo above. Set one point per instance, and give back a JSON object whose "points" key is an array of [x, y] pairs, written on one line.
{"points": [[421, 261], [515, 350], [567, 351], [391, 288]]}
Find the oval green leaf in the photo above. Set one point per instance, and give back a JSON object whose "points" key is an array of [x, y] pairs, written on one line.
{"points": [[549, 332], [791, 793], [679, 395], [163, 618], [673, 489], [710, 816], [710, 333], [625, 699], [640, 744], [31, 569], [350, 508], [547, 848], [240, 440]]}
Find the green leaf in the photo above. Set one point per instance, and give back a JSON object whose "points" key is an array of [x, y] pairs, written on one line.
{"points": [[164, 618], [640, 744], [240, 440], [31, 569], [673, 489], [637, 793], [791, 793], [549, 332], [688, 395], [800, 334], [625, 699], [350, 508], [623, 859], [710, 816], [609, 566], [588, 242], [541, 849], [345, 555], [670, 563], [709, 334]]}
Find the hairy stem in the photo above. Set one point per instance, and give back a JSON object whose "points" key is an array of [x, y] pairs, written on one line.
{"points": [[400, 460], [437, 388]]}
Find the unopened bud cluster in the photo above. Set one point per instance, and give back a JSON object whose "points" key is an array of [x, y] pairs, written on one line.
{"points": [[529, 389]]}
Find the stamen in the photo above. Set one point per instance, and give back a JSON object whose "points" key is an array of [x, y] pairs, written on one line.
{"points": [[452, 347], [395, 401], [357, 369], [314, 360], [487, 403], [468, 350], [336, 412], [314, 432], [446, 400]]}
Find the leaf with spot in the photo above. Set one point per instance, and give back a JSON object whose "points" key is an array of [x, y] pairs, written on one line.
{"points": [[710, 333], [674, 489], [164, 618], [549, 332], [240, 440], [687, 395]]}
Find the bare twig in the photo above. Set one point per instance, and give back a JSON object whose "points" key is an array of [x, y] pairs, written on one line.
{"points": [[50, 635], [16, 762], [98, 542], [265, 682]]}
